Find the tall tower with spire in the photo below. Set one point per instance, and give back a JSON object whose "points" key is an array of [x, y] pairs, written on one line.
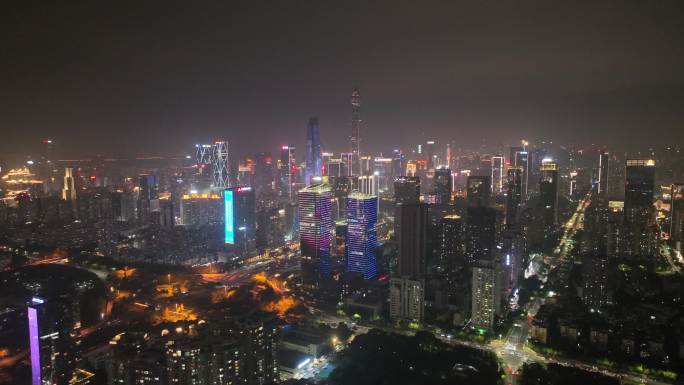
{"points": [[355, 133]]}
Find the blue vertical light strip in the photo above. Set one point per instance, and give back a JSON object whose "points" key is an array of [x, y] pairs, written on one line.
{"points": [[361, 234], [34, 346], [229, 217]]}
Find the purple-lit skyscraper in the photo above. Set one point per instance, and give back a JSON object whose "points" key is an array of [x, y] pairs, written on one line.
{"points": [[315, 230], [52, 329], [362, 216], [34, 341], [314, 163]]}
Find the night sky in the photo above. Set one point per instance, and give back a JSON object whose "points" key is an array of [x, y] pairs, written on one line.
{"points": [[155, 77]]}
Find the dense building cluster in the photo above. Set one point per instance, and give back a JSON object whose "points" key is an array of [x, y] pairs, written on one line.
{"points": [[584, 242]]}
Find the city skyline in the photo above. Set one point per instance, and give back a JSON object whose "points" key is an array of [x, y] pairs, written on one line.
{"points": [[122, 82], [352, 193]]}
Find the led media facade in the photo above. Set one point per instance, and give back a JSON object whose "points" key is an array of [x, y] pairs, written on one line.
{"points": [[229, 218], [34, 346], [315, 225], [362, 217]]}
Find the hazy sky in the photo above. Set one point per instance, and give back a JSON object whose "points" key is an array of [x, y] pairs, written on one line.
{"points": [[145, 77]]}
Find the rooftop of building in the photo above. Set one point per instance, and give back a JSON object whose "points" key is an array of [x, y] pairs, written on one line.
{"points": [[306, 336], [316, 188], [360, 195]]}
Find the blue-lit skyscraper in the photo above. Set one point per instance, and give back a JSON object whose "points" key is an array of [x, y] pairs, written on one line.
{"points": [[315, 230], [313, 151], [362, 216]]}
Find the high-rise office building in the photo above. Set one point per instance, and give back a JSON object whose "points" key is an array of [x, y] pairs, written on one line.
{"points": [[239, 218], [264, 180], [69, 188], [497, 174], [315, 230], [407, 286], [269, 228], [478, 191], [486, 295], [314, 163], [220, 166], [52, 330], [148, 197], [513, 196], [451, 250], [197, 210], [429, 151], [638, 208], [398, 163], [603, 167], [361, 240], [411, 224], [535, 158], [481, 233], [355, 138], [288, 172], [406, 189], [520, 159], [341, 187], [616, 177], [595, 293], [167, 218], [383, 171], [548, 195], [677, 215], [442, 185], [368, 184]]}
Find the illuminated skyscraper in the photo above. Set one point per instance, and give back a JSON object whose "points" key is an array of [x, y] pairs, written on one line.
{"points": [[548, 195], [197, 210], [313, 151], [203, 158], [52, 331], [513, 196], [368, 184], [442, 185], [288, 172], [69, 189], [603, 173], [430, 154], [239, 218], [148, 197], [315, 230], [398, 163], [497, 174], [520, 159], [362, 216], [355, 138], [638, 209], [220, 167]]}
